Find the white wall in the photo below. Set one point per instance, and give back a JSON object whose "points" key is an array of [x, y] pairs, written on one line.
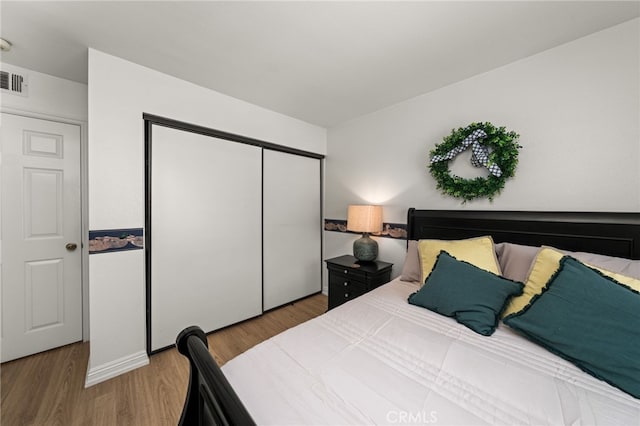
{"points": [[119, 93], [47, 95], [576, 108]]}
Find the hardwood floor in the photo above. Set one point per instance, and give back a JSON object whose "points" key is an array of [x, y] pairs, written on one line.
{"points": [[48, 388]]}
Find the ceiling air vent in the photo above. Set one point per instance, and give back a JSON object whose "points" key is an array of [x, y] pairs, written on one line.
{"points": [[13, 83]]}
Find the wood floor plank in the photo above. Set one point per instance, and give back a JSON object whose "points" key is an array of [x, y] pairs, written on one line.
{"points": [[48, 388]]}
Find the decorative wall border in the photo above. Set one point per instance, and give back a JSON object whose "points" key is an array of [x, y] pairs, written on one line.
{"points": [[110, 240], [389, 230]]}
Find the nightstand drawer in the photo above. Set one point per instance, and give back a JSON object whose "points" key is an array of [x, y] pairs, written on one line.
{"points": [[348, 273], [342, 289], [345, 283], [340, 276]]}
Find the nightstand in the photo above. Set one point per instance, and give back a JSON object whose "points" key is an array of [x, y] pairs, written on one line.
{"points": [[349, 278]]}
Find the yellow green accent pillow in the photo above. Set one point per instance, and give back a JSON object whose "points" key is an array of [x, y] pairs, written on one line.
{"points": [[546, 263], [478, 251]]}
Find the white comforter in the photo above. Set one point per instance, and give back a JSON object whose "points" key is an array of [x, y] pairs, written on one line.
{"points": [[379, 360]]}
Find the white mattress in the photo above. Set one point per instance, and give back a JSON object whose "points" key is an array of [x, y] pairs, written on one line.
{"points": [[379, 360]]}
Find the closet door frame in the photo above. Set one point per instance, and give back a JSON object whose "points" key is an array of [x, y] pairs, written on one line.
{"points": [[149, 121]]}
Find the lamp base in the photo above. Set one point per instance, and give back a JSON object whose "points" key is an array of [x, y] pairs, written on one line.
{"points": [[365, 249]]}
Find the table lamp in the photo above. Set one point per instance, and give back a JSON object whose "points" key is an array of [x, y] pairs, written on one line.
{"points": [[365, 219]]}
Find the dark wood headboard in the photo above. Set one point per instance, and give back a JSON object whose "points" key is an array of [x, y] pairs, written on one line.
{"points": [[611, 234]]}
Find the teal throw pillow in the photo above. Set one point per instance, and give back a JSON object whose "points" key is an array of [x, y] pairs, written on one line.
{"points": [[589, 319], [473, 296]]}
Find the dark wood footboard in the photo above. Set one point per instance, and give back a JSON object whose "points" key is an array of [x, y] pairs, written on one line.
{"points": [[210, 398]]}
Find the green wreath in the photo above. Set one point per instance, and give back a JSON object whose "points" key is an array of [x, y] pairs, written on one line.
{"points": [[493, 147]]}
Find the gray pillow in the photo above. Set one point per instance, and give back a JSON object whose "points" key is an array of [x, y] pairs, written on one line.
{"points": [[411, 270], [515, 260], [630, 268]]}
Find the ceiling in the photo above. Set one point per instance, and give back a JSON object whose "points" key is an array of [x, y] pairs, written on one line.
{"points": [[321, 62]]}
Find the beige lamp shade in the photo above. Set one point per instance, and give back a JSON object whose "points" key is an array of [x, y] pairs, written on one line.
{"points": [[364, 218]]}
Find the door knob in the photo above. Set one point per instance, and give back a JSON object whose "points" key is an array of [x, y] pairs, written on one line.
{"points": [[71, 246]]}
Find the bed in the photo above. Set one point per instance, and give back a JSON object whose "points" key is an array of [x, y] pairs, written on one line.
{"points": [[379, 360]]}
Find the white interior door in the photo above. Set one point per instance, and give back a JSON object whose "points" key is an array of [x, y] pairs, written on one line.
{"points": [[206, 242], [41, 235], [292, 228]]}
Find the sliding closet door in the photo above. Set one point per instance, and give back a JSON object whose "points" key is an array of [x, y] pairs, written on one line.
{"points": [[292, 228], [206, 243]]}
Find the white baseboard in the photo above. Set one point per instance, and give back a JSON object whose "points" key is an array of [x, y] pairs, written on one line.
{"points": [[115, 368]]}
